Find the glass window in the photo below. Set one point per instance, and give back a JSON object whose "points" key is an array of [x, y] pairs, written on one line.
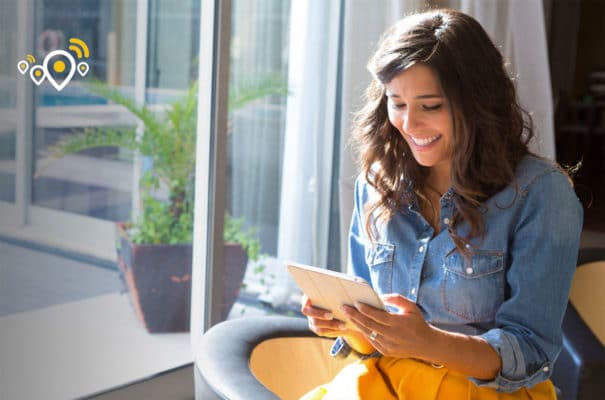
{"points": [[59, 274], [281, 148], [257, 116], [102, 188], [8, 98]]}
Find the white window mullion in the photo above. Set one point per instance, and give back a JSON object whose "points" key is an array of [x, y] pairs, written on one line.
{"points": [[140, 80], [210, 176], [25, 117], [326, 149]]}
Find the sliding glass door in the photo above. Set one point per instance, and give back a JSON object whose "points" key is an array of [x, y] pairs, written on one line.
{"points": [[8, 101], [70, 203], [65, 314], [270, 157]]}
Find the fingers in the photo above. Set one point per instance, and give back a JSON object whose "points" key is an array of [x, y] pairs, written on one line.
{"points": [[398, 300], [315, 312], [375, 314], [323, 327], [321, 321], [366, 318]]}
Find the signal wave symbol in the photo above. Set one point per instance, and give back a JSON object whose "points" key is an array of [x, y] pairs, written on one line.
{"points": [[81, 49], [23, 65], [76, 49]]}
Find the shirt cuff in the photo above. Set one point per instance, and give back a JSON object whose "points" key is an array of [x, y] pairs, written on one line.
{"points": [[513, 374]]}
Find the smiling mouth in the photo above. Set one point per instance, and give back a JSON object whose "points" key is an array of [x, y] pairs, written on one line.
{"points": [[424, 141]]}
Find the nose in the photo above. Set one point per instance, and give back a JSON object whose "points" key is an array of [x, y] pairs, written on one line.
{"points": [[409, 120]]}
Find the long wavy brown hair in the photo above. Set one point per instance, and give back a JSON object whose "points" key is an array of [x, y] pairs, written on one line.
{"points": [[491, 130]]}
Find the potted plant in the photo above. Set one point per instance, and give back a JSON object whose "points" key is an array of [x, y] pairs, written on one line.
{"points": [[154, 250]]}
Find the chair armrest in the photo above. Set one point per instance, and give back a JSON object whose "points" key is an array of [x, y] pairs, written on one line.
{"points": [[227, 346], [580, 368]]}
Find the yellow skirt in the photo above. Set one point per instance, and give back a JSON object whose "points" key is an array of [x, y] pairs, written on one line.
{"points": [[387, 378]]}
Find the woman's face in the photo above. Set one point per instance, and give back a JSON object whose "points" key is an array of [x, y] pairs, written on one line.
{"points": [[419, 110]]}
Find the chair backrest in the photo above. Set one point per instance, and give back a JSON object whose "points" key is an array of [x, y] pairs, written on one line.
{"points": [[588, 296], [292, 366]]}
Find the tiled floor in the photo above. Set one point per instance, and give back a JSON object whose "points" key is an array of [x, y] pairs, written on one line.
{"points": [[83, 347], [68, 329], [31, 279]]}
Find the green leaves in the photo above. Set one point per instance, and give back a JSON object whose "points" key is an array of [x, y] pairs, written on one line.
{"points": [[156, 225], [235, 232], [124, 137], [168, 140], [250, 90]]}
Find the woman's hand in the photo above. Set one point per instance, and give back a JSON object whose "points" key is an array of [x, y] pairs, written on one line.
{"points": [[323, 323], [403, 333]]}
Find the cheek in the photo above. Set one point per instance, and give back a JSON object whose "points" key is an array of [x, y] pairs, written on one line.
{"points": [[395, 120], [444, 124]]}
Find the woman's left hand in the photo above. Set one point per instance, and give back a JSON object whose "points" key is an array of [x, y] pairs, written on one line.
{"points": [[402, 333]]}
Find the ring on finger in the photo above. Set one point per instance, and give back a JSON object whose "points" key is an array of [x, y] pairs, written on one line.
{"points": [[373, 335]]}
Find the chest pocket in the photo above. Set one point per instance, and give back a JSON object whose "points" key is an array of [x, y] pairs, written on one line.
{"points": [[379, 258], [473, 290]]}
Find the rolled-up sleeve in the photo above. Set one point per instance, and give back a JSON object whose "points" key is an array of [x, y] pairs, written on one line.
{"points": [[541, 264]]}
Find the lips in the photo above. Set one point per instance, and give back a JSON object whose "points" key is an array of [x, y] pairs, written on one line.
{"points": [[423, 142]]}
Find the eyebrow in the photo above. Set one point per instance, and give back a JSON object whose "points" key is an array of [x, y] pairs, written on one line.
{"points": [[421, 97]]}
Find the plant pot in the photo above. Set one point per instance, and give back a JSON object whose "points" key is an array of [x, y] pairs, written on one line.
{"points": [[158, 278]]}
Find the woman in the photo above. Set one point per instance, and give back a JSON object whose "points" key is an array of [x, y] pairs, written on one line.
{"points": [[471, 239]]}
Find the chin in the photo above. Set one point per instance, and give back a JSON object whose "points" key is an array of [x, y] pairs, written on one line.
{"points": [[424, 162]]}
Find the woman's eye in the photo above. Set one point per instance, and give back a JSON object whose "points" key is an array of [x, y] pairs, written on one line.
{"points": [[431, 108], [397, 106]]}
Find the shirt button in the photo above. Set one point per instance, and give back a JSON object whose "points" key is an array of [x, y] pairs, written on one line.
{"points": [[545, 369], [413, 291], [446, 221], [469, 270], [421, 249]]}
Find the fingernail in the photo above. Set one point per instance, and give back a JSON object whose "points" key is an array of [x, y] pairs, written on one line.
{"points": [[328, 315]]}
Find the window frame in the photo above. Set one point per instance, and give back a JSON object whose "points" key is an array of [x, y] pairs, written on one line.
{"points": [[210, 175]]}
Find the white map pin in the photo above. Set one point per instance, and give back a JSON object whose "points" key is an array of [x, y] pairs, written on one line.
{"points": [[37, 74], [22, 66], [83, 68], [72, 68]]}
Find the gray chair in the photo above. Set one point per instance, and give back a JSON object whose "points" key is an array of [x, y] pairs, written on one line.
{"points": [[269, 358], [262, 358], [579, 372]]}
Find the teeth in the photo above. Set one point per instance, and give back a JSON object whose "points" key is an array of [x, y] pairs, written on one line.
{"points": [[424, 142]]}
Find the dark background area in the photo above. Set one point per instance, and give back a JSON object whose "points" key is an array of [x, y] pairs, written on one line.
{"points": [[576, 36]]}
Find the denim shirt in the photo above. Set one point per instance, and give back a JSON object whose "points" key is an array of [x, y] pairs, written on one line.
{"points": [[514, 291]]}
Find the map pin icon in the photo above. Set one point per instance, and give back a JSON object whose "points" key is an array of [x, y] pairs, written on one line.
{"points": [[58, 66], [22, 66], [83, 68], [37, 74]]}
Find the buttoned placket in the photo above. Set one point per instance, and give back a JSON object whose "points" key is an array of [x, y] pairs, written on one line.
{"points": [[446, 211], [415, 270]]}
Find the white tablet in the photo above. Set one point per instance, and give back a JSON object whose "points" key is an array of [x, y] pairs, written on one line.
{"points": [[329, 289]]}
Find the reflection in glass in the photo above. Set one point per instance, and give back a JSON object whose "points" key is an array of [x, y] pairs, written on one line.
{"points": [[73, 292], [8, 61], [95, 183], [259, 60]]}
